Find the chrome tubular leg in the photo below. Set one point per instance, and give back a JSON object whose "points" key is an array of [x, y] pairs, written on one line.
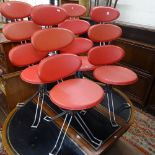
{"points": [[112, 119], [38, 111], [87, 131], [54, 151], [113, 111], [49, 119]]}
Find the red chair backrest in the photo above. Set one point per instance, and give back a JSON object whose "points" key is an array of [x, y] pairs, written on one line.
{"points": [[104, 14], [77, 46], [58, 67], [48, 15], [77, 26], [19, 31], [52, 39], [25, 54], [104, 32], [15, 9], [105, 55], [74, 10]]}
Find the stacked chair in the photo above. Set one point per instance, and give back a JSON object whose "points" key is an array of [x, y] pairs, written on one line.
{"points": [[78, 27], [107, 55], [56, 29], [71, 95]]}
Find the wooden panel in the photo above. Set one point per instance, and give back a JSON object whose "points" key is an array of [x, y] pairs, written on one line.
{"points": [[151, 101], [15, 90], [5, 47], [138, 55]]}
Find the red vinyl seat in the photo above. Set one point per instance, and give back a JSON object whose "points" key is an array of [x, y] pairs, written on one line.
{"points": [[71, 95], [110, 74], [48, 15], [25, 54], [52, 39], [104, 32], [104, 14], [74, 10], [78, 46], [77, 26], [15, 10], [20, 31], [115, 75]]}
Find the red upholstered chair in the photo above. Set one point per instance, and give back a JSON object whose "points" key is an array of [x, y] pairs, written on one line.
{"points": [[111, 75], [15, 10], [80, 46], [82, 94], [44, 41], [74, 11], [48, 15], [104, 14], [20, 31]]}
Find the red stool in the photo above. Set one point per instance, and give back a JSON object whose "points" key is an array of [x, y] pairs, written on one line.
{"points": [[104, 14], [15, 10], [82, 94], [110, 74], [80, 46], [48, 15], [44, 41]]}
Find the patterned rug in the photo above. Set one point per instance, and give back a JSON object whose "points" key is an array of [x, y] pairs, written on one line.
{"points": [[140, 135]]}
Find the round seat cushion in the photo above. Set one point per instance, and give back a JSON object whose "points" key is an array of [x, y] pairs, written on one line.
{"points": [[115, 75], [78, 46], [30, 75], [77, 26], [76, 94]]}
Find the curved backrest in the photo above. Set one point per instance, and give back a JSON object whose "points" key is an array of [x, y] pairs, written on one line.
{"points": [[78, 46], [58, 67], [105, 55], [104, 14], [48, 15], [25, 54], [77, 26], [104, 32], [52, 39], [19, 31], [74, 10], [15, 9]]}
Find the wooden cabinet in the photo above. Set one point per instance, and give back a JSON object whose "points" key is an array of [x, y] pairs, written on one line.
{"points": [[5, 63], [139, 47], [140, 58]]}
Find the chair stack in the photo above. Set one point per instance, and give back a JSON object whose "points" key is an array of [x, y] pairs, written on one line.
{"points": [[54, 28]]}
